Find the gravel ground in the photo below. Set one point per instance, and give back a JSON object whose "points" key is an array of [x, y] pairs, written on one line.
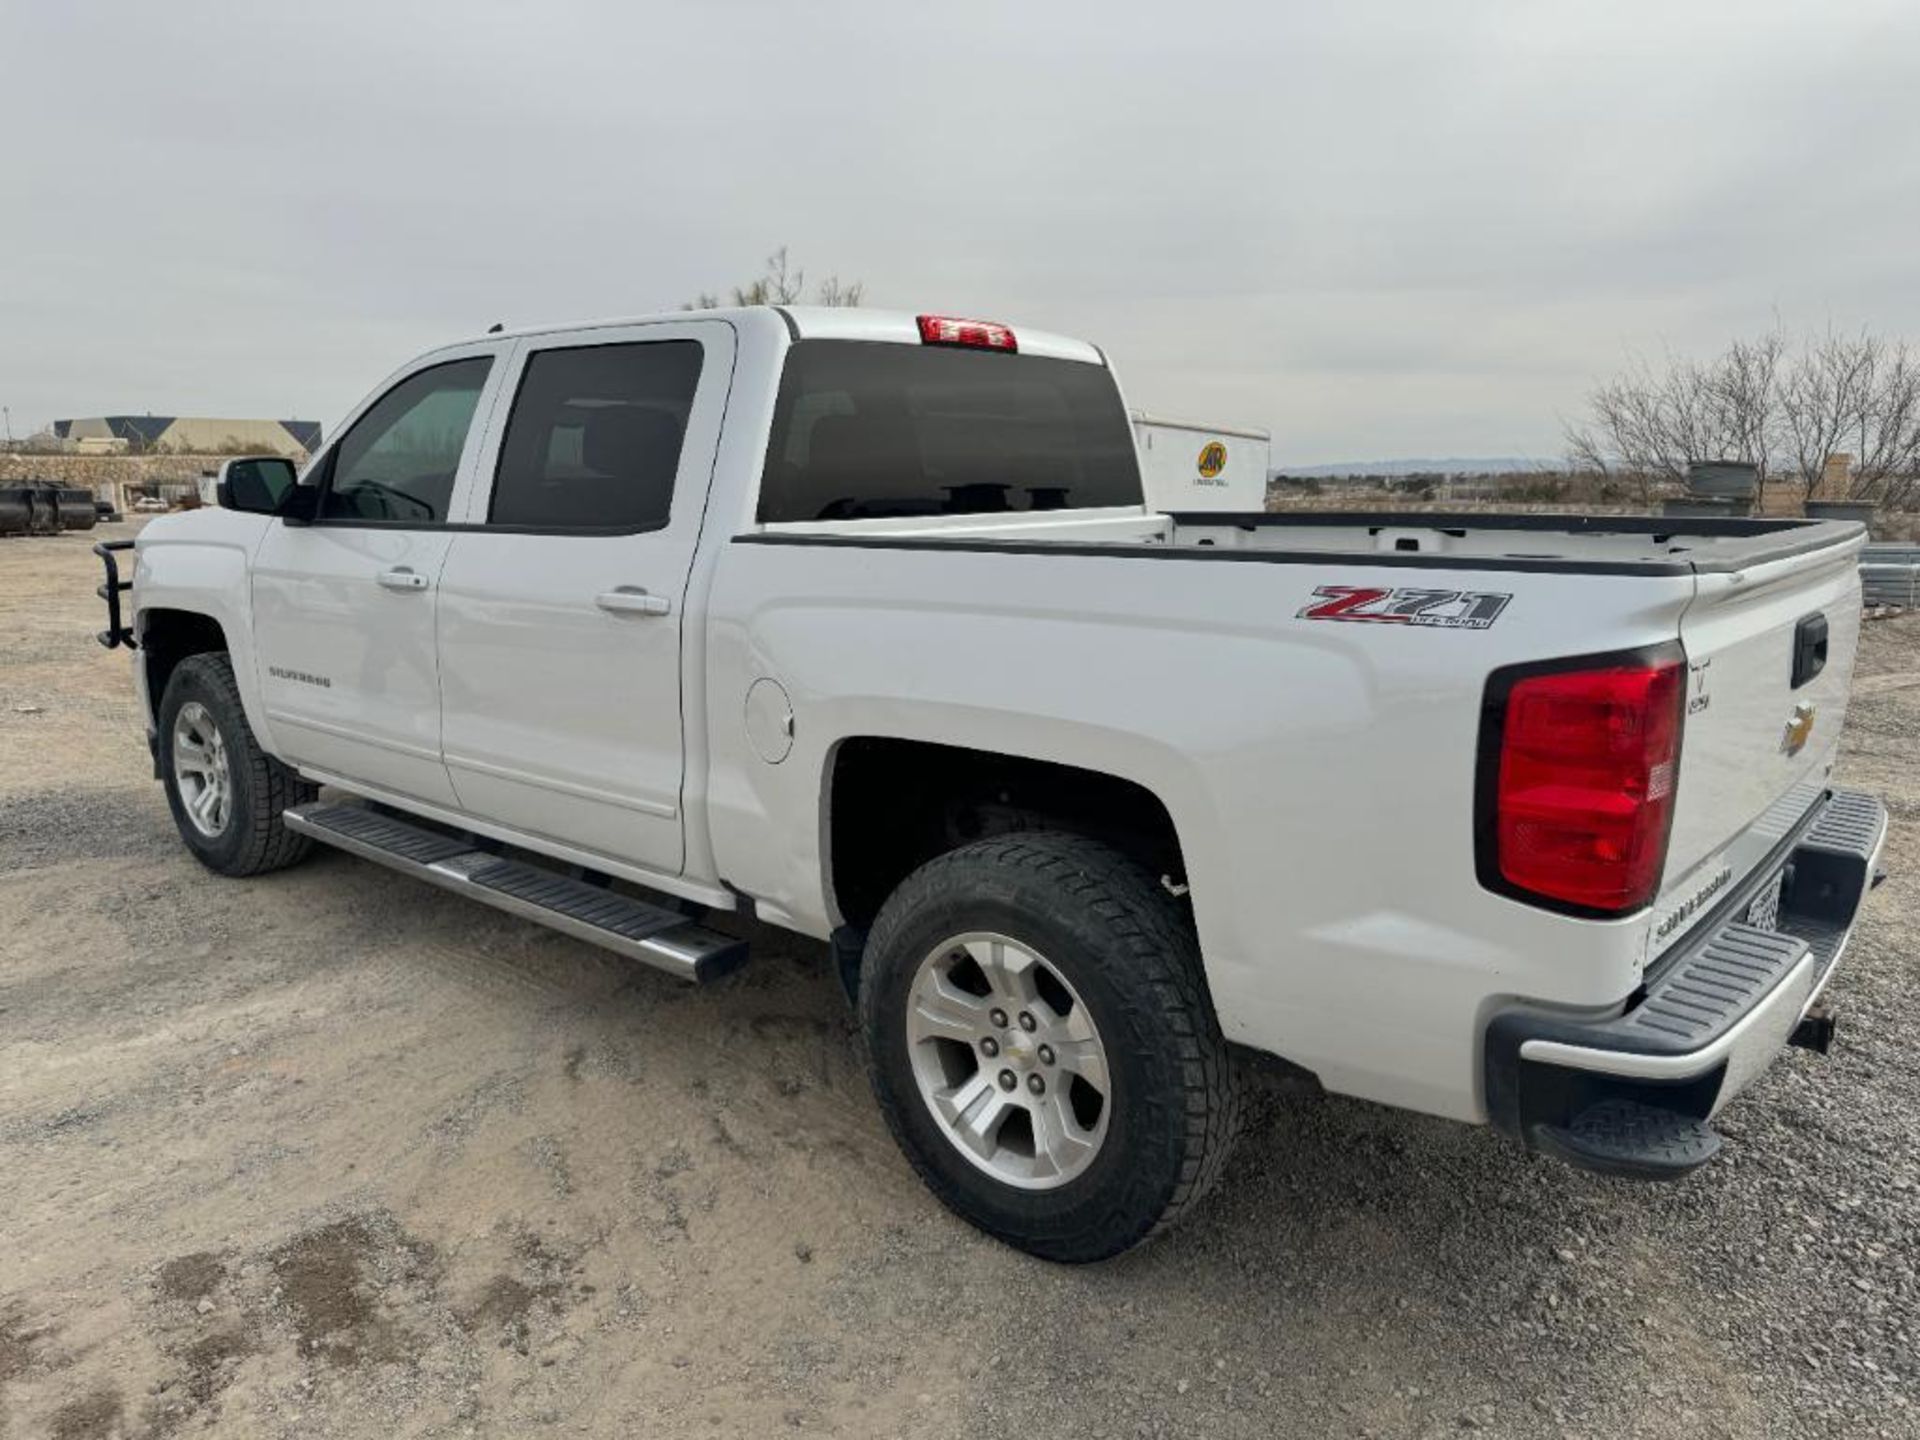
{"points": [[334, 1154]]}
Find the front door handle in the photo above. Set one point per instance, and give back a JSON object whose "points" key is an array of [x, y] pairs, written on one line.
{"points": [[632, 600], [402, 578]]}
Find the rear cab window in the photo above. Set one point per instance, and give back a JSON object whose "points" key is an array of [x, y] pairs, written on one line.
{"points": [[871, 429]]}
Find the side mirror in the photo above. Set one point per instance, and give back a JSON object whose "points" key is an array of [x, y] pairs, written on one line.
{"points": [[255, 484]]}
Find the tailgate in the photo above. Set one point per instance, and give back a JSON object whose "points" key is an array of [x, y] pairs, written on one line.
{"points": [[1757, 748]]}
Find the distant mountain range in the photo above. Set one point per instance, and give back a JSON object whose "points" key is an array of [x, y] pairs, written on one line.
{"points": [[1453, 465]]}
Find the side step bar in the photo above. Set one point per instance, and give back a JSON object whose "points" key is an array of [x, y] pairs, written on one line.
{"points": [[651, 934]]}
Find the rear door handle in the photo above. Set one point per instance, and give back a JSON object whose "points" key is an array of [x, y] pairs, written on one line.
{"points": [[402, 578], [632, 600]]}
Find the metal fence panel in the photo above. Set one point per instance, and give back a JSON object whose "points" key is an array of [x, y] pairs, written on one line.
{"points": [[1890, 575]]}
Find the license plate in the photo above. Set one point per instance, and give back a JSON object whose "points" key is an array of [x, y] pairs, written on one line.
{"points": [[1763, 911]]}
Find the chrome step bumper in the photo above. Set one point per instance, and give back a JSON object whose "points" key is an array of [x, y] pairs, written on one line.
{"points": [[1711, 1020], [651, 934]]}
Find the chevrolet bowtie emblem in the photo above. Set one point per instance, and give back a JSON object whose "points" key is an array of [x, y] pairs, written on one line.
{"points": [[1798, 729]]}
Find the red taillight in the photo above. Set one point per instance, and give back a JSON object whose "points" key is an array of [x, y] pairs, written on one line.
{"points": [[978, 334], [1583, 798]]}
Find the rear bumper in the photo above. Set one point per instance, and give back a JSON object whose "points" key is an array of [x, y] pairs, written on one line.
{"points": [[1632, 1094]]}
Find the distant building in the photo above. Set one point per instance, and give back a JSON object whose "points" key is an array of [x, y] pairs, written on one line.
{"points": [[186, 435], [1788, 494]]}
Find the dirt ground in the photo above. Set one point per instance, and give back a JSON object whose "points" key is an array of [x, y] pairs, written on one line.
{"points": [[332, 1153]]}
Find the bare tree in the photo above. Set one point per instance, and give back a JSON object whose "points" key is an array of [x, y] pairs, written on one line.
{"points": [[1648, 425], [1777, 405], [1628, 433], [783, 285], [1743, 383], [1884, 431], [835, 293], [1825, 391]]}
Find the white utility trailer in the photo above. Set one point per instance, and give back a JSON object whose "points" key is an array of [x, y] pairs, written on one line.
{"points": [[1189, 467]]}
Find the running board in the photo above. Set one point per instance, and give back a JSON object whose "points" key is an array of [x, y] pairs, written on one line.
{"points": [[651, 934]]}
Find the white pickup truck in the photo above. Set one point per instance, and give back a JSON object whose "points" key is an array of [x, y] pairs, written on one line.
{"points": [[857, 624]]}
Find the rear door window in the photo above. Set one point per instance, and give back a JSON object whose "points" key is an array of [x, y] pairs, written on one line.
{"points": [[593, 440], [867, 429]]}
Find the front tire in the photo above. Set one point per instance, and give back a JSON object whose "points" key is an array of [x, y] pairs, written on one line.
{"points": [[226, 793], [1041, 1042]]}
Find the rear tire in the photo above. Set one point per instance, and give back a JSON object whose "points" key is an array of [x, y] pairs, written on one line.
{"points": [[1043, 959], [226, 793]]}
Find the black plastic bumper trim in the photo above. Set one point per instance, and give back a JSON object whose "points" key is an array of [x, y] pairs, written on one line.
{"points": [[1716, 977]]}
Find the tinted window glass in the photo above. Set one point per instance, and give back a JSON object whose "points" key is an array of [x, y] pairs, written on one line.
{"points": [[866, 429], [398, 461], [594, 437]]}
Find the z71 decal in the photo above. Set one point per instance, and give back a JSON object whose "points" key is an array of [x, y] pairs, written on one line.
{"points": [[1443, 609]]}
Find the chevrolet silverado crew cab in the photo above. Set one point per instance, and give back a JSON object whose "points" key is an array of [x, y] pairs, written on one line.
{"points": [[857, 624]]}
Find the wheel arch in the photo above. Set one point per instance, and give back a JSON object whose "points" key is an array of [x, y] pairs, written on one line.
{"points": [[889, 804], [168, 636], [192, 595]]}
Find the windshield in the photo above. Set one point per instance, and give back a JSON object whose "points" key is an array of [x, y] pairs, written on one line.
{"points": [[866, 429]]}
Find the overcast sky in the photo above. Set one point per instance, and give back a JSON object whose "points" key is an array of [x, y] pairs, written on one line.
{"points": [[1405, 228]]}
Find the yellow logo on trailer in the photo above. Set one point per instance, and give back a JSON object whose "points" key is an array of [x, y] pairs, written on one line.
{"points": [[1213, 459]]}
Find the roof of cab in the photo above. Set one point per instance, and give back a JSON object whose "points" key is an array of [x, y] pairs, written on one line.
{"points": [[816, 322]]}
